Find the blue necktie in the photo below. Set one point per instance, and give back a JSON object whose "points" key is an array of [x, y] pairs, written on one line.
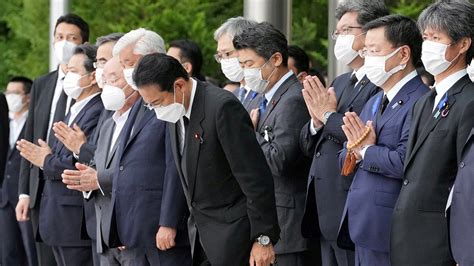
{"points": [[263, 106], [242, 93]]}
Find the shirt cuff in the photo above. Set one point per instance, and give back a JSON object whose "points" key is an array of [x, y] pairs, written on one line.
{"points": [[24, 196], [312, 129], [76, 156], [87, 194], [364, 149]]}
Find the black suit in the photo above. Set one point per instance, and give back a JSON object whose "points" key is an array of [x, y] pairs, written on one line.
{"points": [[227, 183], [31, 182], [327, 188], [419, 234], [4, 133]]}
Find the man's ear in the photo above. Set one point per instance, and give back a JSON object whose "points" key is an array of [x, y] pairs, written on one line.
{"points": [[277, 59]]}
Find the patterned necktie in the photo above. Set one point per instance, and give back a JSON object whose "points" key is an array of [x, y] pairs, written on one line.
{"points": [[242, 93], [262, 107]]}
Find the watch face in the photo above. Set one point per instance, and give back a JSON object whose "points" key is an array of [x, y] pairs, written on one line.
{"points": [[264, 240]]}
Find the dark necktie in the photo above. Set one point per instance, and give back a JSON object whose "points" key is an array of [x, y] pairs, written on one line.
{"points": [[182, 141], [262, 107], [58, 115], [384, 104], [348, 91], [242, 93]]}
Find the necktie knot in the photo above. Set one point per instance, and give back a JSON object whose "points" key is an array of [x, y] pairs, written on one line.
{"points": [[353, 79], [242, 93], [263, 106], [384, 104]]}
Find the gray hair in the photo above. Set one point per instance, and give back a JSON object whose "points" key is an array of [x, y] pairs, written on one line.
{"points": [[455, 18], [367, 10], [112, 37], [233, 27], [145, 42]]}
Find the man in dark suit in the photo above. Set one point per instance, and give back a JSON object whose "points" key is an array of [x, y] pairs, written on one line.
{"points": [[278, 121], [441, 123], [461, 232], [226, 181], [48, 104], [60, 206], [378, 179], [322, 137], [18, 243], [4, 133]]}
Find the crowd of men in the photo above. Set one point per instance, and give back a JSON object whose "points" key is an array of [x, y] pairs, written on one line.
{"points": [[127, 155]]}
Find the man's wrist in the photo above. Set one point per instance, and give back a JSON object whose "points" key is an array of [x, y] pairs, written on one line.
{"points": [[326, 116], [23, 196]]}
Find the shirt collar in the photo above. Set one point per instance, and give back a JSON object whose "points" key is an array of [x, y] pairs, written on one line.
{"points": [[121, 118], [78, 106], [271, 92], [442, 87], [191, 99], [360, 73], [61, 74], [399, 85]]}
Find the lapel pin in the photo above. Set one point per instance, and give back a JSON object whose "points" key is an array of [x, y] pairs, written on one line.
{"points": [[445, 112], [400, 102], [198, 137], [273, 102]]}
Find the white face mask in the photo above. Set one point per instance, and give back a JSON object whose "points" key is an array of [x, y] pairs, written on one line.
{"points": [[127, 74], [71, 85], [433, 55], [254, 79], [470, 70], [343, 49], [170, 113], [98, 77], [232, 70], [375, 68], [15, 102], [64, 51], [113, 97]]}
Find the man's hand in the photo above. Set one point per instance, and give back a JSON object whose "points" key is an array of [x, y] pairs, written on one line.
{"points": [[254, 116], [83, 179], [35, 154], [21, 210], [72, 138], [262, 256], [319, 100], [354, 128], [165, 238]]}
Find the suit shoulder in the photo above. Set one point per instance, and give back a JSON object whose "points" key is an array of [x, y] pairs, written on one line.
{"points": [[217, 95], [46, 77]]}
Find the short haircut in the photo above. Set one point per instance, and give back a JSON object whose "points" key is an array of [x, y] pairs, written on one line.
{"points": [[367, 10], [300, 57], [400, 30], [25, 81], [233, 27], [90, 51], [264, 39], [455, 18], [190, 52], [159, 69], [75, 20], [112, 37], [145, 41]]}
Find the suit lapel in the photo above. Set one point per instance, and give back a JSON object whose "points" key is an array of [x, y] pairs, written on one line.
{"points": [[45, 105], [432, 122], [110, 132], [193, 137], [147, 116], [360, 86], [276, 98], [340, 89], [177, 157]]}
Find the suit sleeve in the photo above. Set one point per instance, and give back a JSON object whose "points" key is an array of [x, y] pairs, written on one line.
{"points": [[308, 141], [332, 130], [249, 167], [173, 202], [87, 150], [283, 148], [466, 123]]}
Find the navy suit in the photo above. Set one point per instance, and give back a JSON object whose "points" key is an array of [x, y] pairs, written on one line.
{"points": [[18, 243], [377, 182], [462, 208], [146, 189], [59, 205]]}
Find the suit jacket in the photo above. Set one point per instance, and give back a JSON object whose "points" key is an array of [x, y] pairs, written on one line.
{"points": [[87, 150], [36, 127], [419, 227], [226, 180], [326, 187], [147, 174], [461, 214], [377, 182], [4, 134], [59, 205], [278, 134], [9, 189]]}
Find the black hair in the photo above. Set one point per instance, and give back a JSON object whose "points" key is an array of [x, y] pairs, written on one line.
{"points": [[25, 81], [90, 51], [159, 69], [400, 30], [300, 57], [190, 52], [75, 20], [264, 39]]}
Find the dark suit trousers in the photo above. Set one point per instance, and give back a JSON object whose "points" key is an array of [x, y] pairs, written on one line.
{"points": [[44, 252], [332, 255], [368, 257], [146, 257], [73, 256], [17, 239]]}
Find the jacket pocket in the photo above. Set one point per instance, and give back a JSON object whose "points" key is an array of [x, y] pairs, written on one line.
{"points": [[385, 199]]}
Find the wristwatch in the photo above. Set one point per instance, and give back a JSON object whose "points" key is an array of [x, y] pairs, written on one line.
{"points": [[263, 240], [326, 116]]}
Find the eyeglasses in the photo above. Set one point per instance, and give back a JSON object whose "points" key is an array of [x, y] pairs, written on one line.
{"points": [[345, 31], [100, 63], [153, 104], [226, 55]]}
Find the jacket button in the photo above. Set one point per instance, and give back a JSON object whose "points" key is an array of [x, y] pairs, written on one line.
{"points": [[121, 168], [193, 204], [8, 176], [405, 182], [318, 154], [9, 162], [461, 165]]}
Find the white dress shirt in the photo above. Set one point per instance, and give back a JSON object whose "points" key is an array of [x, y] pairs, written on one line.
{"points": [[16, 125], [78, 106], [188, 115], [273, 90], [120, 121], [446, 84], [56, 95]]}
